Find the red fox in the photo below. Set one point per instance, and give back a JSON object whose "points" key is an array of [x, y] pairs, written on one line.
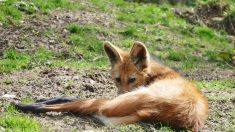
{"points": [[150, 92]]}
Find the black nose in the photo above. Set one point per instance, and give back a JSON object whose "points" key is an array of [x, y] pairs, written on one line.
{"points": [[120, 91]]}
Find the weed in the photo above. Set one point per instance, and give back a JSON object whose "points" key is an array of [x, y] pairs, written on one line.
{"points": [[13, 121], [86, 41], [216, 85], [176, 55], [205, 32], [11, 11], [130, 31], [14, 60], [26, 100]]}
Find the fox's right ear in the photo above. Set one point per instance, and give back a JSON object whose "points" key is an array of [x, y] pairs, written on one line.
{"points": [[112, 52], [139, 55]]}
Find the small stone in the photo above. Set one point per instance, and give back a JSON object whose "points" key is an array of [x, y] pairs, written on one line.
{"points": [[52, 41], [233, 101], [217, 19], [8, 96], [2, 129], [92, 82], [48, 63], [233, 62]]}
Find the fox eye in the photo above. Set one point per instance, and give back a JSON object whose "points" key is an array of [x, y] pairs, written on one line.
{"points": [[118, 79], [131, 80]]}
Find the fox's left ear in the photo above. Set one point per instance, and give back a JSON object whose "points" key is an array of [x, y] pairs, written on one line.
{"points": [[139, 55]]}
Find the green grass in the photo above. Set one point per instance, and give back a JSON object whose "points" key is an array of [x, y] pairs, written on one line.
{"points": [[221, 92], [14, 121], [160, 29], [10, 14], [26, 100], [86, 42], [14, 60], [179, 42], [175, 41], [216, 85], [143, 127]]}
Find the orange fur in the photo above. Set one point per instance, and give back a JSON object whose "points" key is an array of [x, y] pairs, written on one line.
{"points": [[152, 92]]}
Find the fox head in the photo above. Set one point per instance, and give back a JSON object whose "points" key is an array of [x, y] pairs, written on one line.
{"points": [[129, 69]]}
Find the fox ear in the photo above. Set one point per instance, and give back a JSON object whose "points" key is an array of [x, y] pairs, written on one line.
{"points": [[112, 52], [139, 55]]}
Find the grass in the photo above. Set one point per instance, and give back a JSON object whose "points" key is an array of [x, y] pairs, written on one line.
{"points": [[221, 92], [14, 60], [10, 12], [175, 41], [85, 41], [179, 42], [169, 31], [14, 121], [219, 85]]}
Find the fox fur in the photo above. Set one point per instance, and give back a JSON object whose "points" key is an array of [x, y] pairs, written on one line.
{"points": [[149, 92]]}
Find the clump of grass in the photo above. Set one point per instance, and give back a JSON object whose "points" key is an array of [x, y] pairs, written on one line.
{"points": [[130, 31], [212, 55], [14, 60], [92, 53], [216, 85], [149, 14], [81, 30], [176, 55], [205, 32], [10, 13], [14, 121], [86, 41], [52, 4], [26, 100]]}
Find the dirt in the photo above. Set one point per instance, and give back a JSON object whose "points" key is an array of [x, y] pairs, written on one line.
{"points": [[50, 30], [209, 72], [40, 83]]}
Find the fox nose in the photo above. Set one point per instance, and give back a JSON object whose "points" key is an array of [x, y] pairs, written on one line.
{"points": [[120, 92], [123, 89]]}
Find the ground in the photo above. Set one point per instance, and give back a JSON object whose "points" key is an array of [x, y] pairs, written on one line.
{"points": [[58, 51]]}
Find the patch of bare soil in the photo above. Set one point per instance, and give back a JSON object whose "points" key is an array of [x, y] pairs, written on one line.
{"points": [[220, 114], [211, 73], [40, 83]]}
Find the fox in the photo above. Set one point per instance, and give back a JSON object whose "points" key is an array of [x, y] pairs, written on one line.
{"points": [[148, 92]]}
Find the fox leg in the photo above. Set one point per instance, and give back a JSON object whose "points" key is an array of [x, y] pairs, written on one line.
{"points": [[56, 100], [122, 109], [63, 103], [122, 105], [37, 106]]}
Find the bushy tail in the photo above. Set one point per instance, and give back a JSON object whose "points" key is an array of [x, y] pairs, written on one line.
{"points": [[198, 114]]}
